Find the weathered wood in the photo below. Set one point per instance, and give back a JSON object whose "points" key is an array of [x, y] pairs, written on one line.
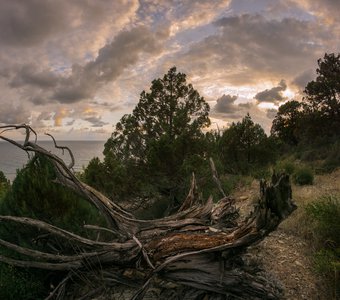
{"points": [[201, 247]]}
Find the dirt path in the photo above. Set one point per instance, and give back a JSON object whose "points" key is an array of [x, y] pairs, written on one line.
{"points": [[285, 253]]}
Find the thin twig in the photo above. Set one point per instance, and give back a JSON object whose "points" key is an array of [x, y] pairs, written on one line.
{"points": [[71, 165]]}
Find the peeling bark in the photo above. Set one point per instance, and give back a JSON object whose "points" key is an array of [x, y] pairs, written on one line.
{"points": [[201, 248]]}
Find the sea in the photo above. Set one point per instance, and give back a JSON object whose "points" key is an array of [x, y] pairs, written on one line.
{"points": [[13, 158]]}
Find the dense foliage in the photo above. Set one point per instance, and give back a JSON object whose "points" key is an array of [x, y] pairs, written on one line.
{"points": [[153, 151], [244, 147], [303, 176], [324, 216], [313, 124], [171, 112], [32, 195]]}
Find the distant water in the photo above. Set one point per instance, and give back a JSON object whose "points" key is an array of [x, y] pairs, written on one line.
{"points": [[13, 158]]}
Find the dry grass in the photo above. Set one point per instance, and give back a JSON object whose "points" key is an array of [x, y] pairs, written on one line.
{"points": [[298, 223]]}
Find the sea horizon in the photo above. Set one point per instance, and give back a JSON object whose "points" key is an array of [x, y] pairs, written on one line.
{"points": [[13, 158]]}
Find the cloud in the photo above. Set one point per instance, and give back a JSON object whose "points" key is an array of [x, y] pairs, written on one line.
{"points": [[226, 108], [225, 104], [29, 75], [13, 114], [65, 56], [328, 10], [249, 49], [182, 15], [272, 95], [124, 51], [59, 116], [25, 23], [70, 123], [301, 80], [271, 113], [42, 86], [45, 116], [32, 22], [96, 121]]}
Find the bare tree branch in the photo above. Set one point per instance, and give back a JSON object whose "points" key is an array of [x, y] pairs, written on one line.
{"points": [[188, 246]]}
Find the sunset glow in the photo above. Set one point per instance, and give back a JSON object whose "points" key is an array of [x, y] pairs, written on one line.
{"points": [[77, 66]]}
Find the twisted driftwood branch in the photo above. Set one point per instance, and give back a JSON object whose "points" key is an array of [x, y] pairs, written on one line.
{"points": [[200, 248]]}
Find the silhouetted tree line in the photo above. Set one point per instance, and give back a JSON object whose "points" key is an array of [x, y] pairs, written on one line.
{"points": [[153, 151], [318, 115]]}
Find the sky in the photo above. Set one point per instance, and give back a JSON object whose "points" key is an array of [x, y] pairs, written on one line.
{"points": [[73, 68]]}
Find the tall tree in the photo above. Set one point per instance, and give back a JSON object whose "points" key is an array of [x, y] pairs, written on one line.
{"points": [[287, 124], [172, 108], [323, 99], [153, 146], [244, 145], [323, 93], [316, 120]]}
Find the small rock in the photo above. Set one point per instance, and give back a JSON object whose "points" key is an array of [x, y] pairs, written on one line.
{"points": [[298, 263]]}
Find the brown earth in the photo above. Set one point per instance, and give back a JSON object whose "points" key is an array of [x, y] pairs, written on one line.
{"points": [[286, 253]]}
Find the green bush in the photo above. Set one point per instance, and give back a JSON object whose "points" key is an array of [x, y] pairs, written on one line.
{"points": [[326, 212], [333, 159], [324, 217], [34, 194], [286, 166], [261, 173], [303, 176], [18, 283], [4, 185]]}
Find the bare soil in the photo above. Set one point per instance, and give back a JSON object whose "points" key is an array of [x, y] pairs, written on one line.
{"points": [[286, 253]]}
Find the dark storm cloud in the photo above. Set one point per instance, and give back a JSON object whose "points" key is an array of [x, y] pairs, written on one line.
{"points": [[107, 105], [226, 108], [11, 114], [29, 75], [95, 121], [25, 23], [30, 22], [225, 104], [272, 95], [112, 60]]}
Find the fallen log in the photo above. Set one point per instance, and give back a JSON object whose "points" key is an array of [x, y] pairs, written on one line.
{"points": [[200, 250]]}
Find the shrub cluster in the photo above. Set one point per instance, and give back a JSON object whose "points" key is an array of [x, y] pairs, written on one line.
{"points": [[303, 176], [33, 195], [324, 214]]}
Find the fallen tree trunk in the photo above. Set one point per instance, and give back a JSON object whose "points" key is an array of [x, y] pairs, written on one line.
{"points": [[200, 250]]}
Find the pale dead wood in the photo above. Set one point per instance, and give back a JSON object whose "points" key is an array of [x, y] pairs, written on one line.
{"points": [[201, 246]]}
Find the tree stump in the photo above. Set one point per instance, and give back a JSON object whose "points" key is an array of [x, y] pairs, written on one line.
{"points": [[199, 252]]}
